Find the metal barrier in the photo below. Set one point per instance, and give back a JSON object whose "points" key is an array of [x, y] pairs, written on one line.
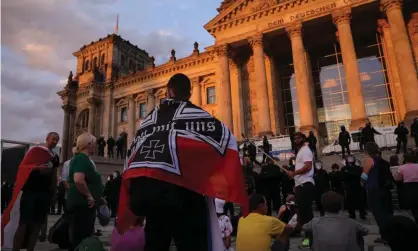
{"points": [[385, 142]]}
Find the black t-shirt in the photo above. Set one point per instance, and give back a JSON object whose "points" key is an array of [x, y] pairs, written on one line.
{"points": [[41, 182]]}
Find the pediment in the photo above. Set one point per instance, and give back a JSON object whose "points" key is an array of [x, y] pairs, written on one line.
{"points": [[160, 92], [239, 9], [141, 97], [207, 80], [122, 102]]}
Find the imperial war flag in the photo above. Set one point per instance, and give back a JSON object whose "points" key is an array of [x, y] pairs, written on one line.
{"points": [[181, 144]]}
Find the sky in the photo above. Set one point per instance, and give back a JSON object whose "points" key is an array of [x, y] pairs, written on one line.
{"points": [[38, 38]]}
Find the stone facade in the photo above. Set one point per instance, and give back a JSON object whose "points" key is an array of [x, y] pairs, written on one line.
{"points": [[238, 78]]}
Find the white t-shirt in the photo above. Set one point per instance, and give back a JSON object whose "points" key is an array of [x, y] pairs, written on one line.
{"points": [[304, 155], [65, 170]]}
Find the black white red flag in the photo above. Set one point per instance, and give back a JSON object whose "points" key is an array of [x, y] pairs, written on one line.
{"points": [[184, 145]]}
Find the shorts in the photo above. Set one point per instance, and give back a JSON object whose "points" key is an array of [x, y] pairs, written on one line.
{"points": [[34, 207]]}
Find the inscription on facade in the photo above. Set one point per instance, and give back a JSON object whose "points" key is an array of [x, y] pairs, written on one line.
{"points": [[275, 23], [315, 11]]}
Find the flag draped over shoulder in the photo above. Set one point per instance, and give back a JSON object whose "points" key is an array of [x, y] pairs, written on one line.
{"points": [[182, 144], [36, 156]]}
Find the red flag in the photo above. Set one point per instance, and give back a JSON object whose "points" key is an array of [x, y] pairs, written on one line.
{"points": [[191, 150], [36, 156]]}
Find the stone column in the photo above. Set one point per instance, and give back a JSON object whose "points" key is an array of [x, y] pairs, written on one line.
{"points": [[131, 119], [224, 87], [263, 110], [404, 56], [413, 34], [352, 74], [303, 90], [150, 100], [68, 109], [71, 138], [392, 69], [237, 101], [196, 97], [92, 115]]}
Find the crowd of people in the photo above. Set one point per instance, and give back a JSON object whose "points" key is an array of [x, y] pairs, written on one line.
{"points": [[355, 186], [278, 203]]}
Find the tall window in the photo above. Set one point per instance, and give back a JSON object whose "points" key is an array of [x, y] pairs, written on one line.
{"points": [[124, 114], [122, 60], [131, 65], [102, 59], [142, 110], [95, 62], [86, 65], [211, 95]]}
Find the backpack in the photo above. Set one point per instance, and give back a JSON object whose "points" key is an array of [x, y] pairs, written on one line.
{"points": [[90, 244]]}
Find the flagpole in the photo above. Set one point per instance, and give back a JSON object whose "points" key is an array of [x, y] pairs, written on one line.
{"points": [[117, 25], [268, 155]]}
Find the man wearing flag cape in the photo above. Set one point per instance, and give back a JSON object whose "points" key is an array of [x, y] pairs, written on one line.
{"points": [[35, 185], [180, 160]]}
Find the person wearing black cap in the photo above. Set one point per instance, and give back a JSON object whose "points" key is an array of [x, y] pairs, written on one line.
{"points": [[402, 138], [344, 140], [368, 133], [304, 182], [355, 194]]}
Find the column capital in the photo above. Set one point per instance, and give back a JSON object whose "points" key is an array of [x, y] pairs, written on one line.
{"points": [[342, 16], [68, 109], [150, 92], [381, 25], [256, 40], [387, 5], [130, 97], [294, 30], [413, 24], [222, 50], [195, 81], [93, 101]]}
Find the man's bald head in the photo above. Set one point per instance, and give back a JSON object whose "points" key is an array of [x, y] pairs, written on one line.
{"points": [[52, 140]]}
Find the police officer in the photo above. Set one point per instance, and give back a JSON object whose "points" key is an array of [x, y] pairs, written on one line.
{"points": [[269, 179], [288, 183], [355, 195], [321, 185], [344, 140], [336, 179], [402, 137], [368, 133]]}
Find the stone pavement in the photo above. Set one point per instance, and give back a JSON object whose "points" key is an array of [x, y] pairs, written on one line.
{"points": [[107, 232]]}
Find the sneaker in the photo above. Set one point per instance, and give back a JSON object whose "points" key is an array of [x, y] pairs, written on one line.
{"points": [[305, 244]]}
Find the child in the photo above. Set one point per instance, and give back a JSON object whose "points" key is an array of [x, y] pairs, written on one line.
{"points": [[131, 240], [224, 224]]}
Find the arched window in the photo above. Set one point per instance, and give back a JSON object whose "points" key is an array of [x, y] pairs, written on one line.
{"points": [[86, 65], [131, 65], [94, 62], [102, 59], [122, 60]]}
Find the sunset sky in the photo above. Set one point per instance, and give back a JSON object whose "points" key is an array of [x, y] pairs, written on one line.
{"points": [[39, 37]]}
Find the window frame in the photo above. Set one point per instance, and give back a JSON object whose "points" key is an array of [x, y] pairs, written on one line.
{"points": [[210, 87], [123, 108]]}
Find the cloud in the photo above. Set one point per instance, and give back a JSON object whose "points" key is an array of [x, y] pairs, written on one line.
{"points": [[364, 76], [39, 36], [329, 83]]}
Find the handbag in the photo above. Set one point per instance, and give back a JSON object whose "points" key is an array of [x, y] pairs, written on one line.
{"points": [[103, 214]]}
